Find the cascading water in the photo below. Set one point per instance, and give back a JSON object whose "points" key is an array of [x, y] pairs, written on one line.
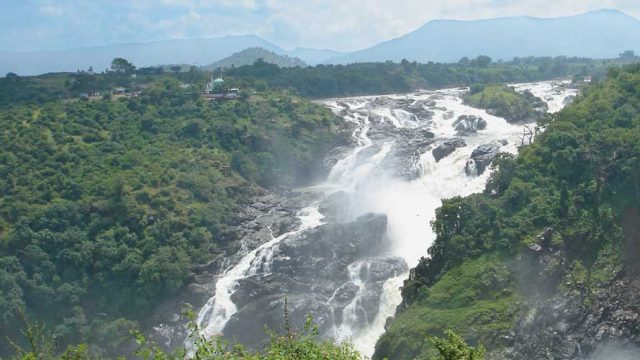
{"points": [[217, 311], [346, 267]]}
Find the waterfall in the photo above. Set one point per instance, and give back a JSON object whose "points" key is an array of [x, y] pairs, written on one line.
{"points": [[470, 168], [385, 131], [218, 309]]}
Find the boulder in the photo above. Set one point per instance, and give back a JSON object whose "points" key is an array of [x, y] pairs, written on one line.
{"points": [[482, 156], [469, 124], [447, 147], [405, 153]]}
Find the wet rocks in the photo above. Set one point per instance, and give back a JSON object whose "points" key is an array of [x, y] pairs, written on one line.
{"points": [[330, 272], [482, 156], [447, 147], [569, 99], [582, 325], [336, 207], [467, 125], [406, 151], [422, 109], [269, 214]]}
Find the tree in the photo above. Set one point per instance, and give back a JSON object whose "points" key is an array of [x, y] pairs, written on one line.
{"points": [[455, 348], [482, 61], [176, 68], [628, 55], [11, 75], [122, 66]]}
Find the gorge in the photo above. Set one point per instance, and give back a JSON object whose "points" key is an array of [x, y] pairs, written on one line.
{"points": [[344, 255]]}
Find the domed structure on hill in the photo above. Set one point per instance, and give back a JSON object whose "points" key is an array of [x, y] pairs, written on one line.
{"points": [[214, 86]]}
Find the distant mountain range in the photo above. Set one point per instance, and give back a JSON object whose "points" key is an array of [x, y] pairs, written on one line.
{"points": [[597, 34], [250, 55]]}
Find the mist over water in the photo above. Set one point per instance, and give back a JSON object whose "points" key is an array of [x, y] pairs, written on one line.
{"points": [[392, 172]]}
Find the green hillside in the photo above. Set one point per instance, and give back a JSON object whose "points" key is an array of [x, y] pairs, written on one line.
{"points": [[108, 204], [569, 199]]}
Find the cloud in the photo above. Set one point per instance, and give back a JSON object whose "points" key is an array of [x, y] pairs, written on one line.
{"points": [[336, 24]]}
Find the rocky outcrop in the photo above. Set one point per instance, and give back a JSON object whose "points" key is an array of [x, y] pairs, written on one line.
{"points": [[467, 125], [482, 156], [503, 101], [405, 153], [267, 215], [598, 323], [321, 272], [447, 147]]}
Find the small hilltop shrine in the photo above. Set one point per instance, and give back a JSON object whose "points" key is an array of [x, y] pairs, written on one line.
{"points": [[217, 90]]}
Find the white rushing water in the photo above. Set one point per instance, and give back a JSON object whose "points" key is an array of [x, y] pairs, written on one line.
{"points": [[216, 312], [410, 205]]}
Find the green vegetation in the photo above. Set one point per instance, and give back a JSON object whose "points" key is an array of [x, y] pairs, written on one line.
{"points": [[325, 81], [476, 299], [503, 101], [321, 81], [106, 205], [568, 192], [454, 348], [289, 345]]}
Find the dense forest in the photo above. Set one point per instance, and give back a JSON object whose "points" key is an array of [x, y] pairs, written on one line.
{"points": [[106, 205], [325, 81], [572, 196], [321, 81]]}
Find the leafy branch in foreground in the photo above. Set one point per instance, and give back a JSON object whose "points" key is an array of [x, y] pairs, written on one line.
{"points": [[455, 348], [291, 345], [40, 344]]}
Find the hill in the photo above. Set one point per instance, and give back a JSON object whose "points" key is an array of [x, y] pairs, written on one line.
{"points": [[183, 51], [313, 56], [251, 55], [598, 34]]}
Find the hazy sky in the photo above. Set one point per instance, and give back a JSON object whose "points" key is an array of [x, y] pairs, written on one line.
{"points": [[334, 24]]}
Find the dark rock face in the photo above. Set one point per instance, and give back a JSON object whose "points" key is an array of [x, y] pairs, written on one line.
{"points": [[482, 156], [467, 125], [420, 109], [567, 100], [405, 153], [251, 223], [598, 325], [447, 147], [321, 272]]}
